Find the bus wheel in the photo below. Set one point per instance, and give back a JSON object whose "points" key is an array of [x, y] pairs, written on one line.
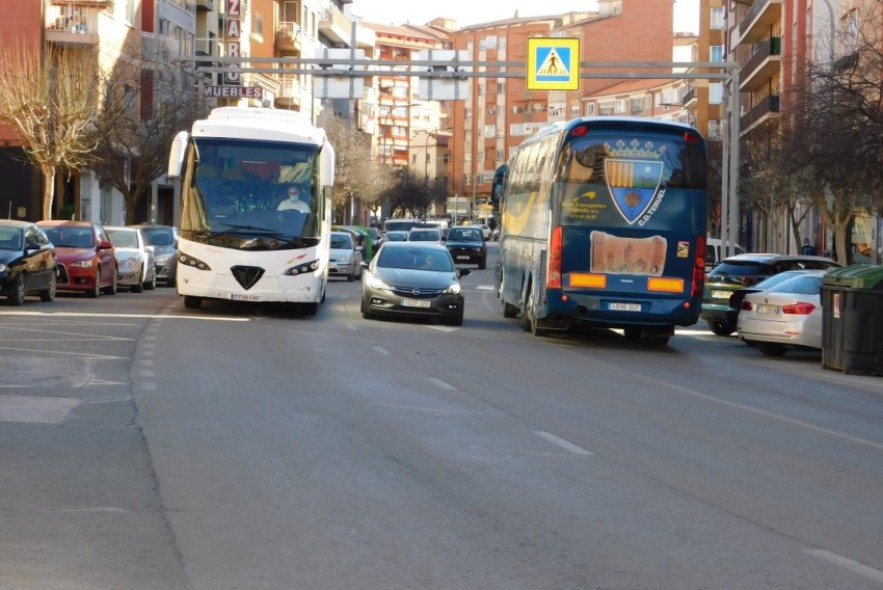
{"points": [[529, 320], [191, 302], [509, 310]]}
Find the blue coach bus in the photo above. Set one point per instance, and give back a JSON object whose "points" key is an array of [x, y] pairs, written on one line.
{"points": [[603, 223]]}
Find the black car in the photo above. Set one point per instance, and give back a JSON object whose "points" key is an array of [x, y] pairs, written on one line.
{"points": [[742, 271], [27, 262], [164, 239], [467, 244]]}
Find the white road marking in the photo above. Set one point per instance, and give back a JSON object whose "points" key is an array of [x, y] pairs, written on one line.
{"points": [[444, 328], [380, 350], [564, 444], [853, 566], [442, 384], [35, 410], [122, 315], [484, 288]]}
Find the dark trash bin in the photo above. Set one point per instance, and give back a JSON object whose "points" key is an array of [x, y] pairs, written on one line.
{"points": [[852, 319]]}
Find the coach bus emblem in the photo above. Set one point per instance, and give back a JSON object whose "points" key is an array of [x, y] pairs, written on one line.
{"points": [[633, 184]]}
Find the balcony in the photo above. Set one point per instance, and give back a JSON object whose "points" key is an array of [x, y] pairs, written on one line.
{"points": [[689, 98], [766, 110], [289, 37], [336, 26], [759, 20], [205, 5], [68, 29], [102, 4], [763, 65], [289, 92]]}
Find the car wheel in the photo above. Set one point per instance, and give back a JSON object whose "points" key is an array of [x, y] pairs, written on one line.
{"points": [[364, 309], [191, 302], [721, 328], [151, 284], [457, 320], [95, 291], [351, 277], [771, 349], [112, 288], [310, 308], [482, 264], [49, 293], [16, 295], [137, 287]]}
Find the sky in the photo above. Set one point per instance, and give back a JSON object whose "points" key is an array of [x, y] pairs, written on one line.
{"points": [[470, 12]]}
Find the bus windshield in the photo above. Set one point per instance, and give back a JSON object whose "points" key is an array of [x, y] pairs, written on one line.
{"points": [[253, 195]]}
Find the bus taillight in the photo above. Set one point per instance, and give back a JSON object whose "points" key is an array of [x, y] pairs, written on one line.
{"points": [[698, 267], [553, 269]]}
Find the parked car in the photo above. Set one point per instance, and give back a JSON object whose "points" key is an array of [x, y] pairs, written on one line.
{"points": [[785, 316], [86, 256], [346, 257], [745, 270], [27, 262], [466, 244], [164, 239], [413, 279], [425, 234], [738, 295], [136, 267], [485, 230]]}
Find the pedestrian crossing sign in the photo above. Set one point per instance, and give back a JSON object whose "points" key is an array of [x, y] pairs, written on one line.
{"points": [[553, 63]]}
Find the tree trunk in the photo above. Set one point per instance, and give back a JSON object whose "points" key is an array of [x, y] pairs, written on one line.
{"points": [[48, 189]]}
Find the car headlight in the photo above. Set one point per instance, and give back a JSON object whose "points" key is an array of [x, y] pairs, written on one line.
{"points": [[82, 263], [376, 283], [452, 289], [129, 263], [164, 258], [3, 267]]}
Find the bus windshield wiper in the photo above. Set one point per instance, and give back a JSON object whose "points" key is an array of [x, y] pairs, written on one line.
{"points": [[242, 231]]}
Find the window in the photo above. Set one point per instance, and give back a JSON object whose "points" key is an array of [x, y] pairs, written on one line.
{"points": [[574, 110], [622, 106], [717, 18], [716, 53], [637, 106], [715, 93], [590, 108], [257, 24]]}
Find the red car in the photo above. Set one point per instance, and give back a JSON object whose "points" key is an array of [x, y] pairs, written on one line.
{"points": [[86, 257]]}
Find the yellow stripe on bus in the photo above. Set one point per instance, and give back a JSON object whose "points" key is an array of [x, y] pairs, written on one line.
{"points": [[591, 281], [669, 285]]}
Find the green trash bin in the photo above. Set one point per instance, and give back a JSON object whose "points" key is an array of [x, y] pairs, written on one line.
{"points": [[852, 319]]}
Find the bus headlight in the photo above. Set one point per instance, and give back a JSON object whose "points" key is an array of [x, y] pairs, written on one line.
{"points": [[188, 260], [300, 269]]}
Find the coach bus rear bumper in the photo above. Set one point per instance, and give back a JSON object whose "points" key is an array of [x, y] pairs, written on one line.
{"points": [[619, 311]]}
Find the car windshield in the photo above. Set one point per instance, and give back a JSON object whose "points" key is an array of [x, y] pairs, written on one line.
{"points": [[467, 235], [774, 280], [808, 284], [123, 238], [741, 269], [10, 239], [416, 259], [70, 237], [341, 242], [160, 236]]}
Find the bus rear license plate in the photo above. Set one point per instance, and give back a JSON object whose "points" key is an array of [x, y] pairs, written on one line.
{"points": [[421, 303], [625, 307], [244, 297]]}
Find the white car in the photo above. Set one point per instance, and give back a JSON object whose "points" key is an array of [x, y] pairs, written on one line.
{"points": [[136, 264], [346, 257], [785, 316]]}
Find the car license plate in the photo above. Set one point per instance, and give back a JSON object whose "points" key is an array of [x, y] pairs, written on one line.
{"points": [[462, 257], [615, 306], [767, 309], [421, 303], [244, 297], [720, 294]]}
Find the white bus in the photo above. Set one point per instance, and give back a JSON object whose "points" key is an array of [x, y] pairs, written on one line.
{"points": [[244, 236]]}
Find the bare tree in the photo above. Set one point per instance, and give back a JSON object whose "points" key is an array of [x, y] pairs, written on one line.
{"points": [[145, 103], [49, 97], [355, 176]]}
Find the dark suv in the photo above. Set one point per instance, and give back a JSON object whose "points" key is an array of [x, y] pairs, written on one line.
{"points": [[467, 244], [744, 270]]}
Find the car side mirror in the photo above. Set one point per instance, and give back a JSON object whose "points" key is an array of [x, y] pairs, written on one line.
{"points": [[104, 245]]}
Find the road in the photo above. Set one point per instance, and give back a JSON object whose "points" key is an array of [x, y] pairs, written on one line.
{"points": [[145, 446]]}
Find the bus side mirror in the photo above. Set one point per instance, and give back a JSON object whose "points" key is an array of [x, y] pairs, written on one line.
{"points": [[176, 154]]}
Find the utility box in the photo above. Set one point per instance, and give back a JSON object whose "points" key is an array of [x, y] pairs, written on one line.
{"points": [[852, 319]]}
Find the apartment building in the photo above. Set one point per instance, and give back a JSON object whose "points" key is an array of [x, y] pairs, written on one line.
{"points": [[501, 111]]}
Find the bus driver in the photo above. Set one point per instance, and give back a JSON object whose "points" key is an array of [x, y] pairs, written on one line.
{"points": [[295, 201]]}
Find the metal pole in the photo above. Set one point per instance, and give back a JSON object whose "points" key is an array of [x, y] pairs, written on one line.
{"points": [[733, 230]]}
